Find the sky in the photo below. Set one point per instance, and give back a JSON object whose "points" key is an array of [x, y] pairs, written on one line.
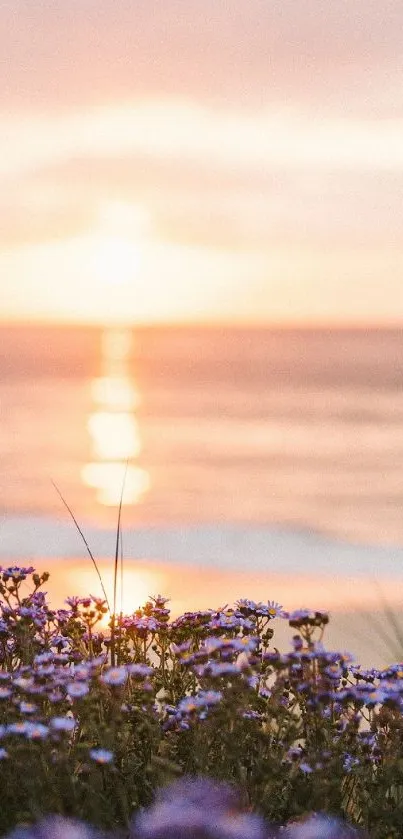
{"points": [[201, 160]]}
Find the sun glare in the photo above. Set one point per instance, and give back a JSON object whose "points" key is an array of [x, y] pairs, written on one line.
{"points": [[113, 427], [117, 243], [138, 586], [107, 479]]}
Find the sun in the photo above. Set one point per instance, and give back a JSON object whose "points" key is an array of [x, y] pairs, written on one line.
{"points": [[139, 585], [118, 243]]}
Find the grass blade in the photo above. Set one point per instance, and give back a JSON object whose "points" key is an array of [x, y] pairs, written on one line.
{"points": [[121, 573], [91, 555], [118, 537], [116, 568]]}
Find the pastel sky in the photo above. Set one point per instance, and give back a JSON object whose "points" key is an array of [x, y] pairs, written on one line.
{"points": [[176, 160]]}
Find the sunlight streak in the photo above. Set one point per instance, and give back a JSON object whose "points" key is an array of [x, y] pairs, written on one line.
{"points": [[113, 427]]}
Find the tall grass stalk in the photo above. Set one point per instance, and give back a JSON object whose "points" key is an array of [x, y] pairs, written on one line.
{"points": [[91, 555], [116, 570]]}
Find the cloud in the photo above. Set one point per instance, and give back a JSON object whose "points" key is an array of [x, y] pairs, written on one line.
{"points": [[311, 53], [262, 137], [206, 179], [178, 129]]}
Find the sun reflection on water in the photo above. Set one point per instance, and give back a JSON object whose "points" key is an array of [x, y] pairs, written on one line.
{"points": [[113, 427]]}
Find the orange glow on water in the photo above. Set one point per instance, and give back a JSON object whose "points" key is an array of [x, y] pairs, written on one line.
{"points": [[115, 435], [108, 478], [115, 392], [113, 428]]}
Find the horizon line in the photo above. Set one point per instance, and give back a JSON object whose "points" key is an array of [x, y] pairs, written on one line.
{"points": [[275, 325]]}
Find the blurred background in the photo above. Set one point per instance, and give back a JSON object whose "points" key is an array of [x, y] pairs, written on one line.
{"points": [[201, 299]]}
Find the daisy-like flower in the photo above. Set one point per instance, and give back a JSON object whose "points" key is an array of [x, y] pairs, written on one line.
{"points": [[36, 731], [115, 676], [82, 671], [101, 756], [44, 658], [270, 610], [218, 669], [188, 705], [77, 690], [17, 728], [247, 643], [28, 707], [55, 696], [63, 724], [5, 692], [305, 768], [16, 573], [197, 808], [321, 827], [24, 684], [275, 610], [56, 827], [307, 617], [209, 697]]}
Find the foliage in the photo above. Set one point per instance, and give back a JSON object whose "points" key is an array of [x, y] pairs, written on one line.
{"points": [[207, 694]]}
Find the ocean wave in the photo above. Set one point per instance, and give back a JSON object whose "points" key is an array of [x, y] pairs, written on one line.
{"points": [[222, 546]]}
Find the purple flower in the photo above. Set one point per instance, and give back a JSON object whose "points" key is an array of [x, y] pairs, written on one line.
{"points": [[55, 696], [36, 731], [209, 697], [215, 644], [115, 676], [16, 573], [55, 827], [139, 671], [30, 730], [177, 649], [251, 715], [44, 658], [19, 728], [321, 827], [307, 617], [349, 762], [46, 669], [188, 705], [305, 768], [5, 693], [192, 620], [270, 610], [82, 671], [197, 808], [63, 723], [218, 669], [230, 620], [101, 756], [28, 707], [247, 643], [24, 684], [77, 690]]}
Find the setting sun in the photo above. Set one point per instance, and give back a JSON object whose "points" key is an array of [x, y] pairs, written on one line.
{"points": [[138, 586], [118, 245]]}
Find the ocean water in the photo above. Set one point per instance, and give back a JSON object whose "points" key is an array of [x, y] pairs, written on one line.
{"points": [[276, 452]]}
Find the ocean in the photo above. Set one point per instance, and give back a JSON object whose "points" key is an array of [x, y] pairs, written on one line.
{"points": [[271, 458]]}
